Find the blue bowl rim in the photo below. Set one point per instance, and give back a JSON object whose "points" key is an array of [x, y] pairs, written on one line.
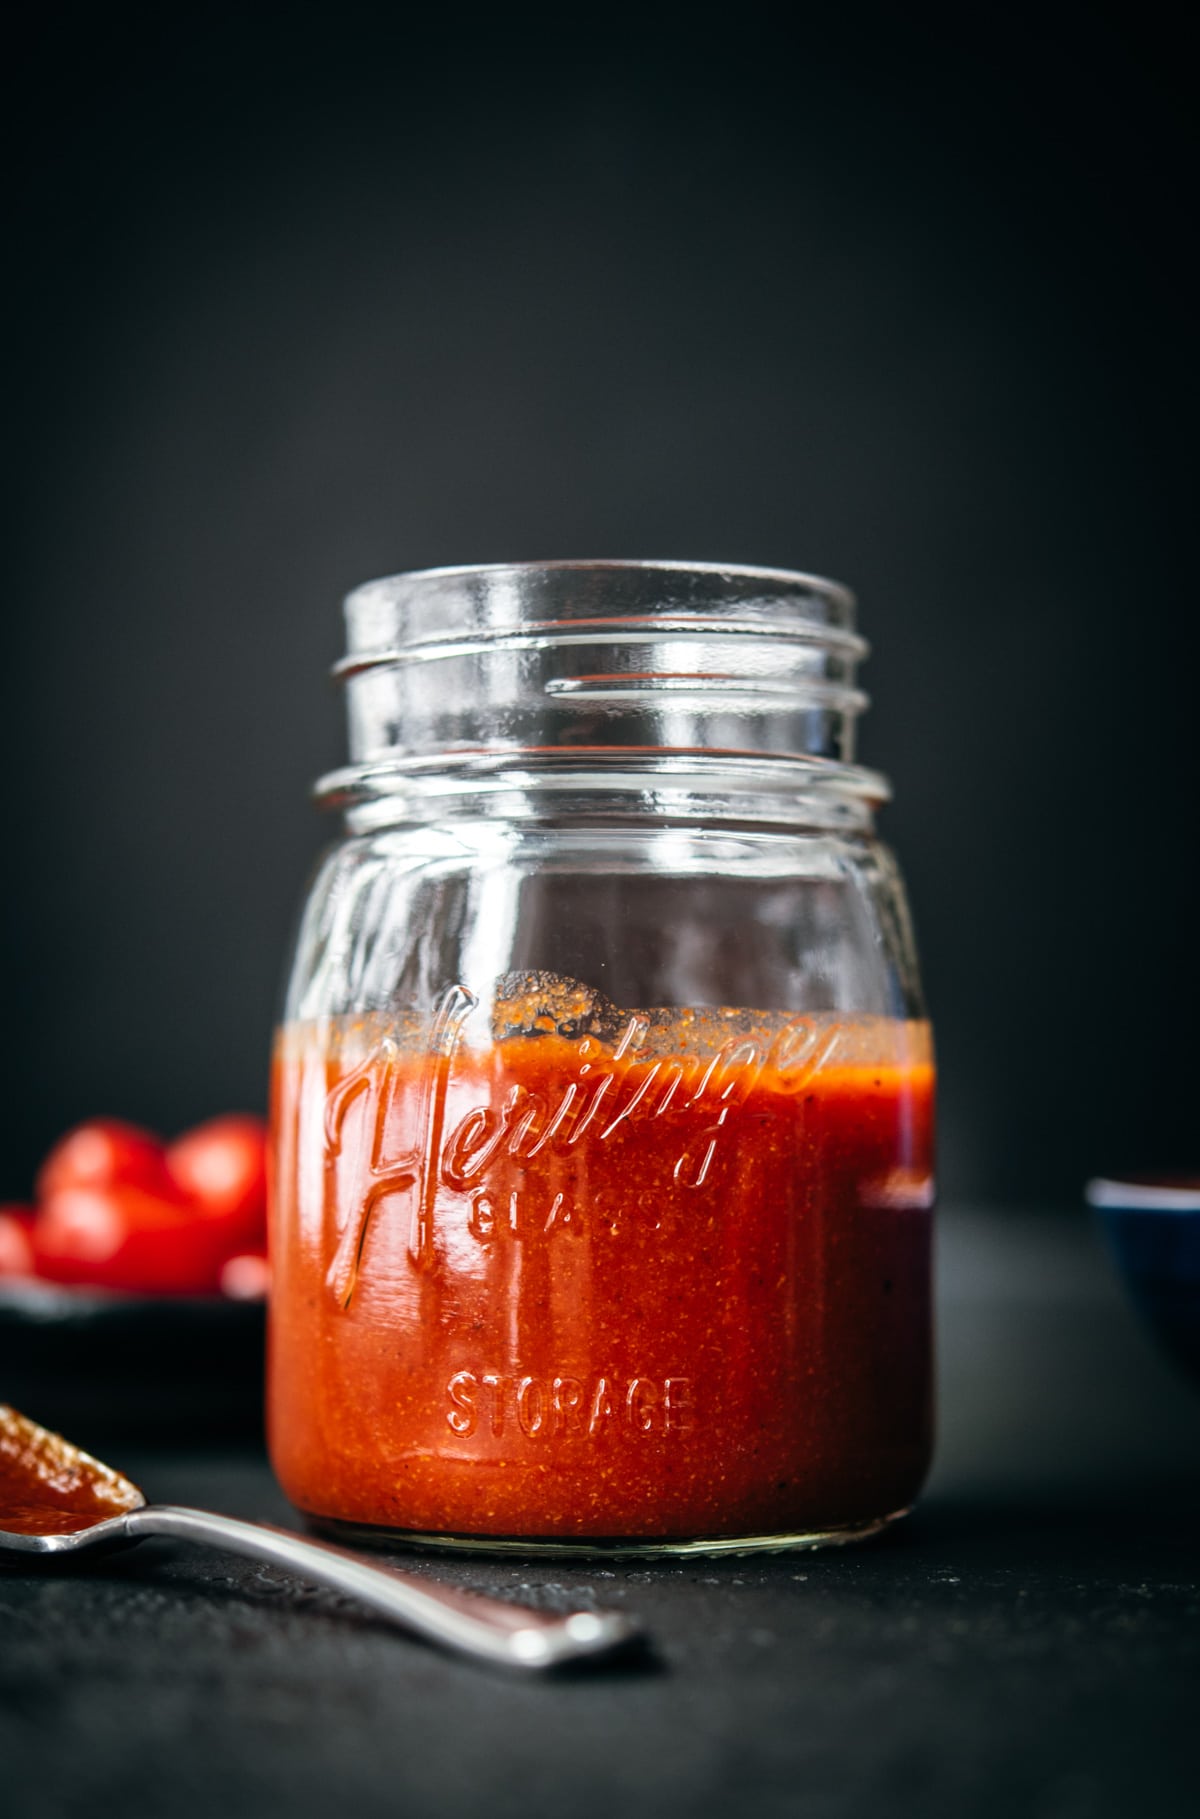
{"points": [[1145, 1194]]}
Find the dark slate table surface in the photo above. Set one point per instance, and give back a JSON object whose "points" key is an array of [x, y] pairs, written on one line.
{"points": [[1026, 1644]]}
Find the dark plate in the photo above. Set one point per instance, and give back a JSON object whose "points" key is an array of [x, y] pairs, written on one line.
{"points": [[100, 1367]]}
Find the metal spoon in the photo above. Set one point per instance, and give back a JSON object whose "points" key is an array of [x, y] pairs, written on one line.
{"points": [[58, 1500]]}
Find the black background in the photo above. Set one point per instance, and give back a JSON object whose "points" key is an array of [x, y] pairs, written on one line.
{"points": [[899, 297]]}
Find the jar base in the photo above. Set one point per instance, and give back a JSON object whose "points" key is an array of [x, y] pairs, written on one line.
{"points": [[358, 1534]]}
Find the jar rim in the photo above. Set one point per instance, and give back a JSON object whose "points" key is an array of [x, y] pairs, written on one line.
{"points": [[748, 571]]}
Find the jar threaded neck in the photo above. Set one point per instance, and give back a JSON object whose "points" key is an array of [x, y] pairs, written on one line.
{"points": [[599, 676]]}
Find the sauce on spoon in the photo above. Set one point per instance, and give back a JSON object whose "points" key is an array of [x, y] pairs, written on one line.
{"points": [[49, 1487]]}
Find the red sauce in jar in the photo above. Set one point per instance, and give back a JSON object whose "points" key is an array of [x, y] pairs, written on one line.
{"points": [[667, 1285]]}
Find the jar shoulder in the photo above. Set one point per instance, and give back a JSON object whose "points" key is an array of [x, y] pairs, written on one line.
{"points": [[646, 915]]}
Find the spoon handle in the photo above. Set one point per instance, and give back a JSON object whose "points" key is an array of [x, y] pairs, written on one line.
{"points": [[487, 1629]]}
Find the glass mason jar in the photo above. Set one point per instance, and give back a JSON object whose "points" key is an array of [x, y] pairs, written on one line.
{"points": [[603, 1095]]}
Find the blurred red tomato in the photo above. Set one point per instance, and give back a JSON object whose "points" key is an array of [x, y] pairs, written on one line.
{"points": [[246, 1277], [16, 1242], [127, 1238], [221, 1167], [105, 1152]]}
